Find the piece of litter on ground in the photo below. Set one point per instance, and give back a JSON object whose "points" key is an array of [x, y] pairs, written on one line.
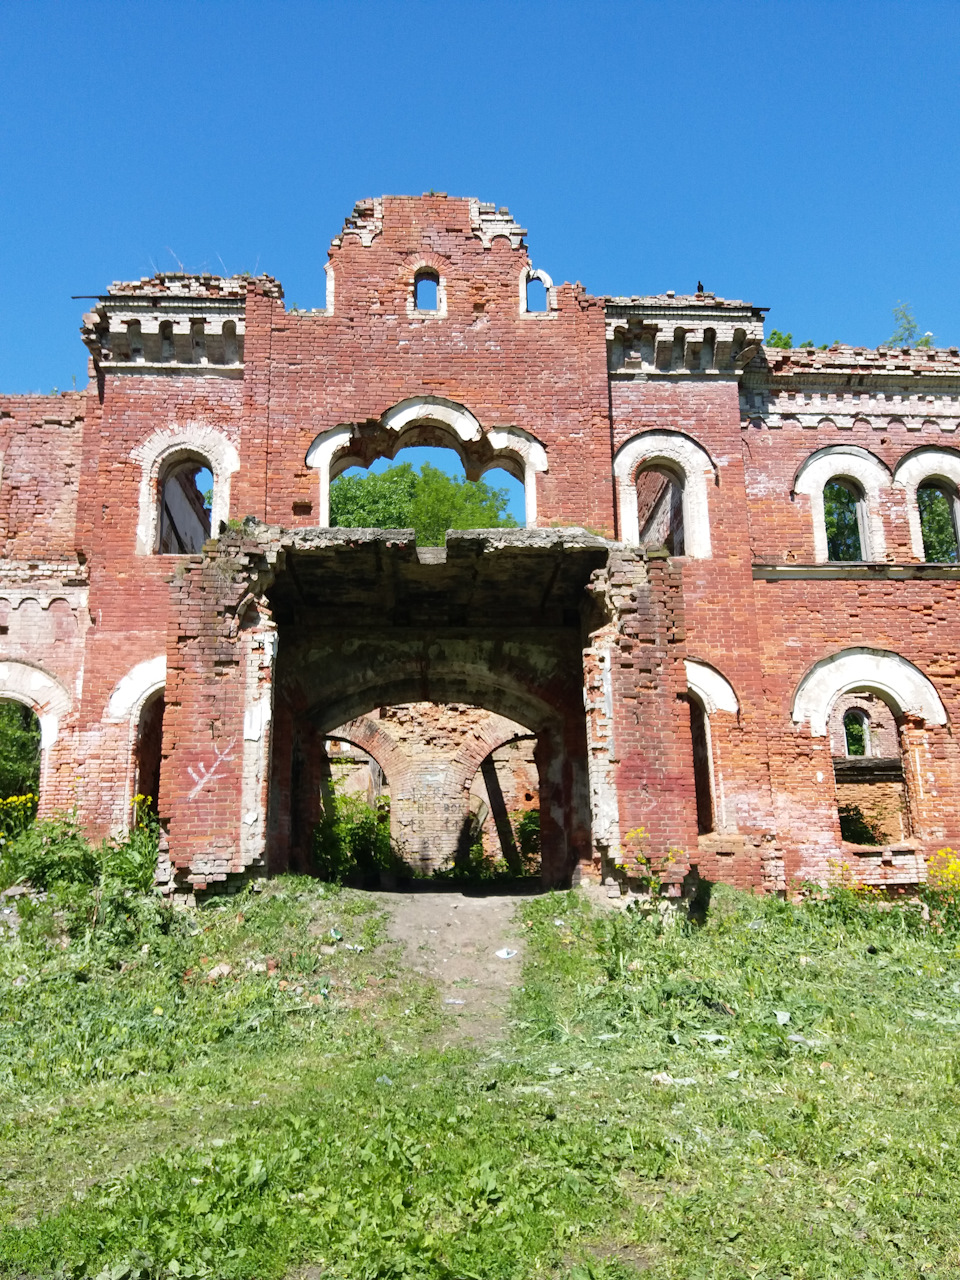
{"points": [[352, 946], [384, 1080], [733, 1075], [755, 924], [664, 1077], [505, 953], [609, 1035], [809, 1044], [782, 1017], [454, 1002], [559, 923], [336, 935]]}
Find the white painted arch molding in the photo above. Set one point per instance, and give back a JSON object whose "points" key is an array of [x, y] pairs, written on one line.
{"points": [[714, 691], [679, 454], [924, 464], [859, 465], [164, 446], [45, 695], [132, 691], [902, 686]]}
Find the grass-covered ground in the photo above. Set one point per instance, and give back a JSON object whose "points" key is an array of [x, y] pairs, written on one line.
{"points": [[771, 1094]]}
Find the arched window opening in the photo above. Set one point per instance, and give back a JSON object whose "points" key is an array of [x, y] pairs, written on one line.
{"points": [[186, 501], [536, 294], [937, 502], [167, 350], [856, 733], [231, 348], [660, 509], [504, 800], [148, 750], [679, 348], [708, 352], [868, 769], [843, 516], [425, 291], [19, 749], [425, 490], [702, 764]]}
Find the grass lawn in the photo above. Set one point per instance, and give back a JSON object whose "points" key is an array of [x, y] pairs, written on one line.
{"points": [[770, 1094]]}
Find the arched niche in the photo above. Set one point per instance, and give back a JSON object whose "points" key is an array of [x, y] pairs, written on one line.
{"points": [[678, 455], [898, 682], [428, 420]]}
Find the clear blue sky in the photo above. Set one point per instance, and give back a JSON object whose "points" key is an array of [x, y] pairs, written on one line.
{"points": [[801, 155]]}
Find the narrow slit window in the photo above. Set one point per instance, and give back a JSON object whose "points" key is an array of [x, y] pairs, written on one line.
{"points": [[700, 742], [855, 733], [536, 294], [425, 291], [843, 516], [937, 504]]}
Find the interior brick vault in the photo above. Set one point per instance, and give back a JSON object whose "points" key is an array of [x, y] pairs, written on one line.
{"points": [[672, 658]]}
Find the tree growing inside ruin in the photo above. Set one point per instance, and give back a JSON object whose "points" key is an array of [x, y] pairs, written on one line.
{"points": [[906, 331], [429, 501]]}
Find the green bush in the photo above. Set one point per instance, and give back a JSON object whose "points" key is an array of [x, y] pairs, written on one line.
{"points": [[351, 842]]}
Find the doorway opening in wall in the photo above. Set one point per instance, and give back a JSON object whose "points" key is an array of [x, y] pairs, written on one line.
{"points": [[427, 490], [428, 794], [147, 752], [19, 766], [865, 741]]}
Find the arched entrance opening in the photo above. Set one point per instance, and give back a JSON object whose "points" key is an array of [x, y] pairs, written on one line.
{"points": [[148, 746], [480, 647], [19, 749]]}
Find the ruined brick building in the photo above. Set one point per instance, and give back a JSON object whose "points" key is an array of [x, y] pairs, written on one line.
{"points": [[680, 636]]}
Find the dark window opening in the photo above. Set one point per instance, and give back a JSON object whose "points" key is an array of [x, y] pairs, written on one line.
{"points": [[856, 735], [936, 502], [186, 499], [842, 510], [149, 750], [700, 740], [660, 510], [536, 295], [425, 291]]}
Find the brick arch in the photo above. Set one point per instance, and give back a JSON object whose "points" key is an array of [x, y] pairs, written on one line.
{"points": [[900, 684], [495, 733], [42, 693], [367, 734]]}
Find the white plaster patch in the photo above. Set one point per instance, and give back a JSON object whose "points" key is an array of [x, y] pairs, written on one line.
{"points": [[681, 453], [255, 720], [888, 675], [715, 692], [139, 682]]}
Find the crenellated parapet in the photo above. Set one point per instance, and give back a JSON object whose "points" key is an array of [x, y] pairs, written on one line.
{"points": [[173, 322], [667, 335]]}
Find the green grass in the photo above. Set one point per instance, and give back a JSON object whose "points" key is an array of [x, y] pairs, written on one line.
{"points": [[654, 1112]]}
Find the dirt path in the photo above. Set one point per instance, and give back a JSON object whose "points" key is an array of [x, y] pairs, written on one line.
{"points": [[453, 938]]}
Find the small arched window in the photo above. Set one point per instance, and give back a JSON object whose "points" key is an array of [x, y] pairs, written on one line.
{"points": [[843, 516], [425, 291], [186, 500], [856, 733], [536, 294], [937, 503], [660, 509]]}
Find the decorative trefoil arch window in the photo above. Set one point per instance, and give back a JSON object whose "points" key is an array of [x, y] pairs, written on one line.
{"points": [[517, 451], [693, 468], [858, 471]]}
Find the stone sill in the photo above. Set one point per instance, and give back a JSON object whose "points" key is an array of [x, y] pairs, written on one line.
{"points": [[172, 366], [855, 571], [886, 853]]}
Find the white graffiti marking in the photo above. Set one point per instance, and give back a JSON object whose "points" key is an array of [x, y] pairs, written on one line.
{"points": [[202, 775]]}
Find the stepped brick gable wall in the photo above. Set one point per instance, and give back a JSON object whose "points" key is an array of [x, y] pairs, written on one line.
{"points": [[674, 640]]}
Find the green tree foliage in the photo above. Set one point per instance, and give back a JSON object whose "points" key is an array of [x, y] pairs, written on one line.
{"points": [[907, 332], [431, 502], [936, 522], [19, 750], [843, 527], [781, 340]]}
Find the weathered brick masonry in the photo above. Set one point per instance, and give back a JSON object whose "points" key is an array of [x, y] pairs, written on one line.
{"points": [[670, 629]]}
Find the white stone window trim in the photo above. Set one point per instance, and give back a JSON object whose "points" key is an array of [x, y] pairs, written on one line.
{"points": [[677, 452], [531, 273], [898, 682], [427, 269], [910, 474], [164, 447], [133, 690], [714, 691], [840, 462], [520, 453], [42, 693]]}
